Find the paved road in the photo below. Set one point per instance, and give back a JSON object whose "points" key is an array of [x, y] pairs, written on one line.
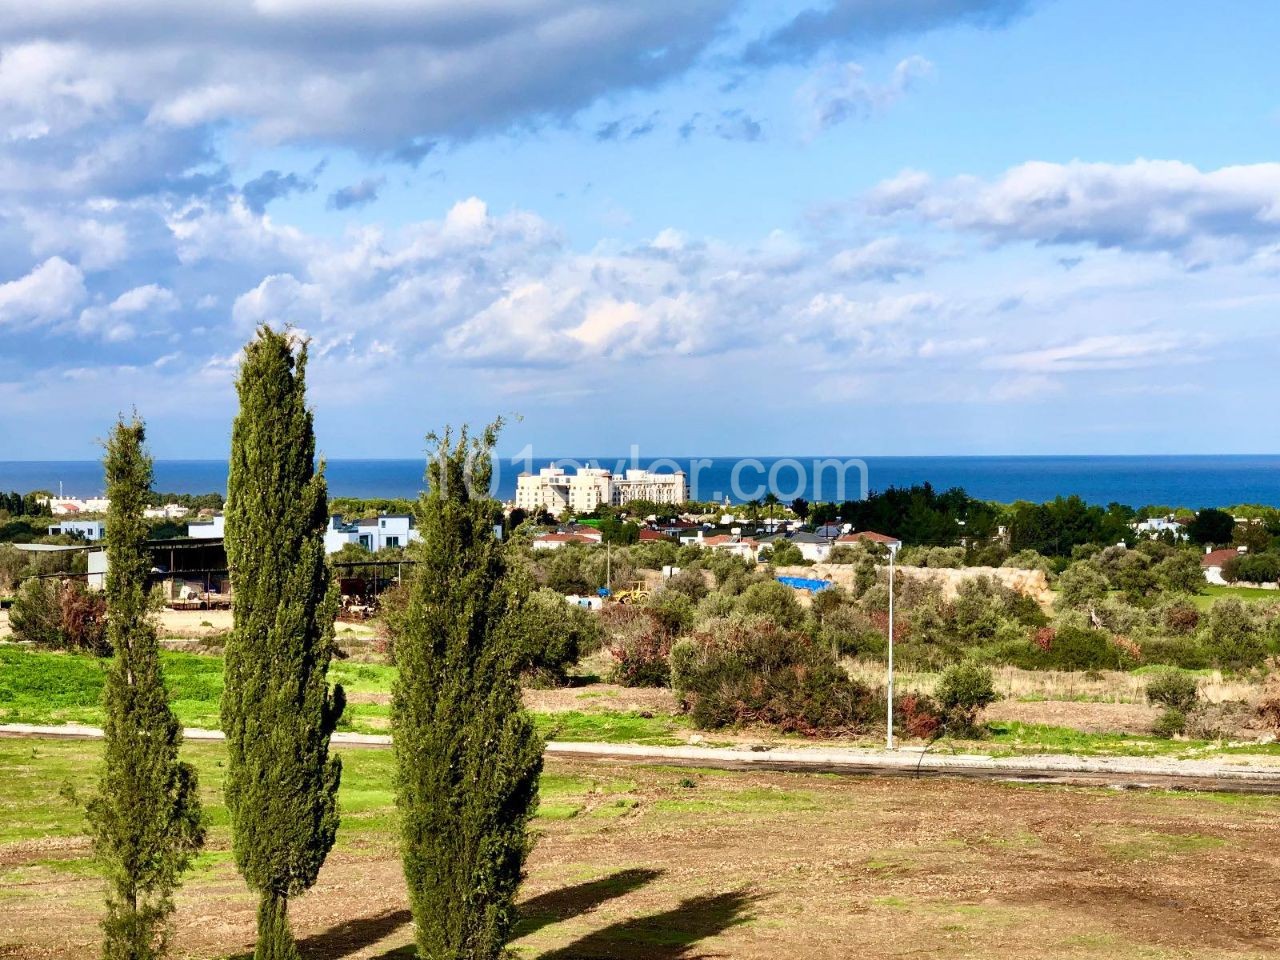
{"points": [[1118, 772]]}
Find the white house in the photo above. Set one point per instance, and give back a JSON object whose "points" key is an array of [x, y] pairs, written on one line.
{"points": [[170, 511], [84, 529], [1157, 526], [214, 528], [62, 506], [1213, 561], [372, 533]]}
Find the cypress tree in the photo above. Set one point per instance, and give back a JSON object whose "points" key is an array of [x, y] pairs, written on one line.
{"points": [[467, 755], [278, 711], [145, 817]]}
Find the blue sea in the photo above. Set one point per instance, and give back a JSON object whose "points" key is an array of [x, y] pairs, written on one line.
{"points": [[1186, 481]]}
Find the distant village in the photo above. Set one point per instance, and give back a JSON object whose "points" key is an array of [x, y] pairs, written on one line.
{"points": [[556, 508]]}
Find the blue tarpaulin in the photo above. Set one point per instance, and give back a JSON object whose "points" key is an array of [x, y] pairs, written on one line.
{"points": [[806, 583]]}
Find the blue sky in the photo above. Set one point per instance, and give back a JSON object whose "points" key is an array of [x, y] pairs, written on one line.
{"points": [[856, 226]]}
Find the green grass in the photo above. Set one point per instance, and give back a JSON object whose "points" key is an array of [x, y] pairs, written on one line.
{"points": [[42, 687], [1017, 739], [1205, 600]]}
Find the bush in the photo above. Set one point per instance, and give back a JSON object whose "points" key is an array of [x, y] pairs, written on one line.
{"points": [[780, 553], [1252, 568], [1029, 560], [772, 600], [61, 616], [1078, 648], [690, 582], [1081, 585], [918, 715], [848, 632], [1232, 637], [1173, 689], [1229, 719], [755, 671], [548, 635], [962, 691], [1185, 653], [640, 644], [1170, 724]]}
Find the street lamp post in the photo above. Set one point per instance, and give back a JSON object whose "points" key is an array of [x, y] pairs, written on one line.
{"points": [[893, 552]]}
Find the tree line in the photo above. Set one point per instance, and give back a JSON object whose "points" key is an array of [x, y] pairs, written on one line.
{"points": [[467, 756]]}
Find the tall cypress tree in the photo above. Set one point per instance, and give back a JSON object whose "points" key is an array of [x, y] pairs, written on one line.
{"points": [[467, 755], [145, 817], [278, 710]]}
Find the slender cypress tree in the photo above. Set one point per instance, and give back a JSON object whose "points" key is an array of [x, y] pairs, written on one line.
{"points": [[145, 817], [467, 755], [278, 710]]}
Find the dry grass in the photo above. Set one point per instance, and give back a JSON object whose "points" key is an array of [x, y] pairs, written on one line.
{"points": [[1107, 686], [662, 864]]}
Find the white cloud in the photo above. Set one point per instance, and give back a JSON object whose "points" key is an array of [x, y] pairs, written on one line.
{"points": [[378, 76], [840, 92], [119, 319], [1104, 352], [1147, 205], [48, 293], [885, 258]]}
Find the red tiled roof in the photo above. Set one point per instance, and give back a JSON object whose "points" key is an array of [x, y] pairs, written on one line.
{"points": [[653, 535], [1218, 557], [866, 535], [563, 538]]}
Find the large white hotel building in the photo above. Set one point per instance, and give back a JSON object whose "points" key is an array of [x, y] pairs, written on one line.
{"points": [[588, 488]]}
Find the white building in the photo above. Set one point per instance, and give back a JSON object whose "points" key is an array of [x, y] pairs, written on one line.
{"points": [[1156, 526], [214, 528], [373, 534], [62, 506], [170, 511], [84, 529], [582, 492]]}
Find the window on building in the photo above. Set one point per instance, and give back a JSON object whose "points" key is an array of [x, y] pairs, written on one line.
{"points": [[393, 541]]}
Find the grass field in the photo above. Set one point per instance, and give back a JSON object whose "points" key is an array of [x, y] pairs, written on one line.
{"points": [[653, 862], [55, 688], [1211, 593]]}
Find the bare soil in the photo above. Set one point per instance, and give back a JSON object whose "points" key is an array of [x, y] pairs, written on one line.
{"points": [[666, 864]]}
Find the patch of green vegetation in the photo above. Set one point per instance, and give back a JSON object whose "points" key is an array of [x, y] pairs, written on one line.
{"points": [[1149, 845], [603, 727], [1017, 739], [760, 800], [1205, 599]]}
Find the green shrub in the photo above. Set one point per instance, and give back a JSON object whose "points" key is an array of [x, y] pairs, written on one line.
{"points": [[1169, 724], [60, 616], [1077, 648], [774, 601], [1173, 689], [962, 691], [755, 671], [1232, 636], [548, 636], [1185, 653], [690, 582]]}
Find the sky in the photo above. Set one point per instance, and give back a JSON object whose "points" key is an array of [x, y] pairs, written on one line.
{"points": [[703, 227]]}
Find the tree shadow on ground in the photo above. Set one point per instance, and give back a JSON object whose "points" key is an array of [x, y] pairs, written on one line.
{"points": [[567, 902], [670, 935], [353, 935], [563, 904]]}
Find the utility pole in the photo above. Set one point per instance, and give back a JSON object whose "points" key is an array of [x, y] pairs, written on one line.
{"points": [[893, 552]]}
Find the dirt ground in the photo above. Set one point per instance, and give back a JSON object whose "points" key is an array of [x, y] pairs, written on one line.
{"points": [[1086, 717], [636, 862]]}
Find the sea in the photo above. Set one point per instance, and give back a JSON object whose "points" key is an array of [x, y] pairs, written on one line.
{"points": [[1175, 481]]}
